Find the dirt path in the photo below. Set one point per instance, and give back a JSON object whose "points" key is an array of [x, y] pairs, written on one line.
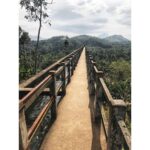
{"points": [[72, 128]]}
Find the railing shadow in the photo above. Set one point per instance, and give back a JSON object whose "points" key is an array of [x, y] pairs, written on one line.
{"points": [[115, 134], [96, 145]]}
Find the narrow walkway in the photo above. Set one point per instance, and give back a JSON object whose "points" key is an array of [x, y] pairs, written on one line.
{"points": [[72, 129]]}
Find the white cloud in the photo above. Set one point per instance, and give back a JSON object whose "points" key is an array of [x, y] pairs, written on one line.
{"points": [[94, 17]]}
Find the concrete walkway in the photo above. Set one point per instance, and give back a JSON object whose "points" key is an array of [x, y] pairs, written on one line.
{"points": [[72, 129]]}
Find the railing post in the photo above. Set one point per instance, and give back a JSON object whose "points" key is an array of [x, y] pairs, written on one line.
{"points": [[23, 134], [69, 70], [54, 94], [89, 72], [98, 96], [73, 62], [64, 78], [117, 112], [71, 65], [92, 80], [88, 65]]}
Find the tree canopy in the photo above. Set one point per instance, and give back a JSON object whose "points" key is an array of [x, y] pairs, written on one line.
{"points": [[36, 11]]}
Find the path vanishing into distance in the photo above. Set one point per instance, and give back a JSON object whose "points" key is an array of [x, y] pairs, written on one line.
{"points": [[72, 129], [81, 120]]}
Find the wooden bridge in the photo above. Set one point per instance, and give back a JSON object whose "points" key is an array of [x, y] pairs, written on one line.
{"points": [[68, 106]]}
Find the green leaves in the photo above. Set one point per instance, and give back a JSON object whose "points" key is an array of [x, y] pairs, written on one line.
{"points": [[36, 9], [23, 37], [120, 69], [116, 64]]}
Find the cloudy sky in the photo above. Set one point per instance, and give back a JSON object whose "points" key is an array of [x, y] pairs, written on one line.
{"points": [[76, 17]]}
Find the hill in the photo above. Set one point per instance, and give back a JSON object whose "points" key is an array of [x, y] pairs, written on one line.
{"points": [[57, 43], [91, 41], [117, 39], [52, 49]]}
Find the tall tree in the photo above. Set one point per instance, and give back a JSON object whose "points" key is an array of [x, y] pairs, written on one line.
{"points": [[23, 37], [36, 11], [24, 63]]}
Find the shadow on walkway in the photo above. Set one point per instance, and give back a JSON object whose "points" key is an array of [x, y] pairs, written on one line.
{"points": [[96, 145]]}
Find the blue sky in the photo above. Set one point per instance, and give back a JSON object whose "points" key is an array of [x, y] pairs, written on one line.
{"points": [[75, 17]]}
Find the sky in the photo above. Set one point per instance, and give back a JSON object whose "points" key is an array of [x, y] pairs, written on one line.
{"points": [[99, 18]]}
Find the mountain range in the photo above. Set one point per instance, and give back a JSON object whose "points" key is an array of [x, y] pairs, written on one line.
{"points": [[108, 39], [57, 42]]}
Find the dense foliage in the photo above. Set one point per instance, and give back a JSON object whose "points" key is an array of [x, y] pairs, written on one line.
{"points": [[36, 10], [112, 58], [116, 64], [49, 52]]}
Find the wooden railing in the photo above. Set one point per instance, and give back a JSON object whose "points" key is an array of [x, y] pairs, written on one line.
{"points": [[108, 111], [51, 82]]}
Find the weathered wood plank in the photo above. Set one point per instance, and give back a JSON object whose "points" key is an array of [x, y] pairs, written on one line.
{"points": [[30, 89], [106, 90], [34, 93], [125, 133], [39, 119], [23, 130], [104, 121]]}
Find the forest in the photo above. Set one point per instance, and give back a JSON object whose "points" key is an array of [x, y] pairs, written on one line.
{"points": [[115, 62], [114, 58]]}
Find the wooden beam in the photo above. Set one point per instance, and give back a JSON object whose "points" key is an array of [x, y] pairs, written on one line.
{"points": [[35, 92], [39, 119], [104, 121], [106, 90], [30, 89], [125, 133], [23, 130]]}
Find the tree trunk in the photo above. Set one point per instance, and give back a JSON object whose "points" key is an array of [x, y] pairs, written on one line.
{"points": [[37, 43]]}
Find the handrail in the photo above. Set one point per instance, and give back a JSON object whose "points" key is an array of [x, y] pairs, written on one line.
{"points": [[38, 120], [114, 124], [48, 80], [35, 92], [125, 133], [46, 70], [106, 90]]}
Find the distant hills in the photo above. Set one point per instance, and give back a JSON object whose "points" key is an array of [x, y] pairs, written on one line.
{"points": [[117, 39], [91, 41], [109, 39], [34, 38], [57, 42]]}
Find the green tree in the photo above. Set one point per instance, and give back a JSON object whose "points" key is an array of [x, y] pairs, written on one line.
{"points": [[119, 79], [23, 37], [36, 11], [120, 70], [66, 43], [24, 55]]}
